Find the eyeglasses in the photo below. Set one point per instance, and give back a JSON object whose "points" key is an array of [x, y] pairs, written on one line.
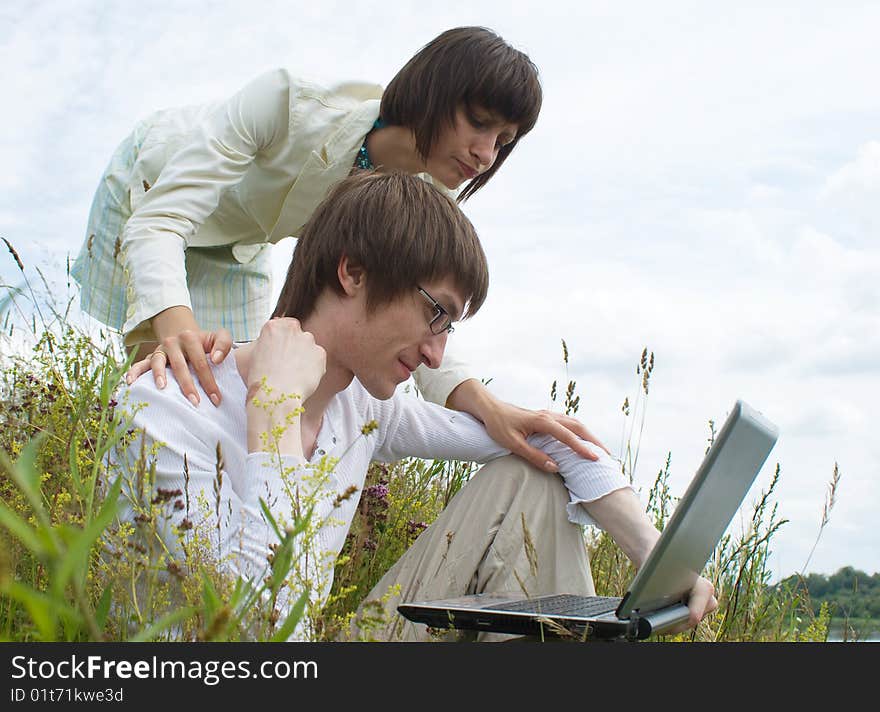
{"points": [[441, 321]]}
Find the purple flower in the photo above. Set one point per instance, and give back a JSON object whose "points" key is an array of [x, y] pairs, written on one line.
{"points": [[379, 492], [414, 528]]}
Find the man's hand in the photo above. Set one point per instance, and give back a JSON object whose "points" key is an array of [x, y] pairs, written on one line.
{"points": [[182, 342], [621, 515], [510, 426], [701, 603], [287, 358]]}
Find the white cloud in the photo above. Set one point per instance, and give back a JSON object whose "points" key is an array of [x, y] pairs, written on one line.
{"points": [[861, 176], [703, 184], [853, 195]]}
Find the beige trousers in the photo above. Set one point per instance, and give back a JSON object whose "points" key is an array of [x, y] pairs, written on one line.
{"points": [[505, 531]]}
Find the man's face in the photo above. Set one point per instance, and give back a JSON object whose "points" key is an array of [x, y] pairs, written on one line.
{"points": [[387, 345], [469, 146]]}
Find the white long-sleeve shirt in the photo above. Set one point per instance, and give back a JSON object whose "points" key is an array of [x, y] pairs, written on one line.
{"points": [[231, 513], [238, 173]]}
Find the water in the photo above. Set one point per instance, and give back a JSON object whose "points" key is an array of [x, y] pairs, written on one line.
{"points": [[835, 635]]}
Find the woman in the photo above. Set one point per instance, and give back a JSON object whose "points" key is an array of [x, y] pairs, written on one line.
{"points": [[177, 253]]}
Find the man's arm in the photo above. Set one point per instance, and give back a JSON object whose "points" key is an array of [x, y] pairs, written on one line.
{"points": [[224, 481], [598, 491], [219, 484], [452, 385], [415, 428], [621, 515]]}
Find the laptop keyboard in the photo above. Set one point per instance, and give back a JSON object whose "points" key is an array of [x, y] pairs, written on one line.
{"points": [[564, 604]]}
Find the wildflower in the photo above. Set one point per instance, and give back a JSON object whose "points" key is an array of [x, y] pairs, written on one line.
{"points": [[137, 546], [378, 492], [175, 570], [414, 528], [14, 254], [340, 498], [369, 427], [165, 495]]}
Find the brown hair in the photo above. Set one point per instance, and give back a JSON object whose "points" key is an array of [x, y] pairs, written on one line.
{"points": [[399, 229], [469, 66]]}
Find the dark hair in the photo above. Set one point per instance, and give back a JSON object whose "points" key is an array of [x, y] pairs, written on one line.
{"points": [[470, 66], [399, 229]]}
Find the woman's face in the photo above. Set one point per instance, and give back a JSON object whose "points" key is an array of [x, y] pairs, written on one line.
{"points": [[469, 146]]}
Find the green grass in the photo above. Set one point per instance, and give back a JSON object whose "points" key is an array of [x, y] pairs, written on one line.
{"points": [[68, 571]]}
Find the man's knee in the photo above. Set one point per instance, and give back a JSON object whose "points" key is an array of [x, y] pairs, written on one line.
{"points": [[512, 470]]}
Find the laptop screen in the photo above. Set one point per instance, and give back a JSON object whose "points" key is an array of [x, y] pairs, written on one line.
{"points": [[704, 512]]}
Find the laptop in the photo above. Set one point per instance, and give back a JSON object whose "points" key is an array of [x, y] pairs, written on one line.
{"points": [[655, 600]]}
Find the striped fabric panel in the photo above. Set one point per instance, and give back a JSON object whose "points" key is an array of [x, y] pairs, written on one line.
{"points": [[224, 292]]}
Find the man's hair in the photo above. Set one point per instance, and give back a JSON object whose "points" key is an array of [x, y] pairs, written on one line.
{"points": [[469, 67], [399, 229]]}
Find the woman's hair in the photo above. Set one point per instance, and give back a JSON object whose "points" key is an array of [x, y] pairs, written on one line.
{"points": [[469, 66], [399, 229]]}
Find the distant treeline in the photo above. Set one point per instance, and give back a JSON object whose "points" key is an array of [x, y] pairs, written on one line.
{"points": [[850, 593]]}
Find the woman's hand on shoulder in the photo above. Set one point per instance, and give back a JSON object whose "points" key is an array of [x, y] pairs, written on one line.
{"points": [[189, 347]]}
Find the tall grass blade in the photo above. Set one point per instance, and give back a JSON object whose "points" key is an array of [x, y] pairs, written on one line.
{"points": [[163, 624], [22, 531], [292, 619]]}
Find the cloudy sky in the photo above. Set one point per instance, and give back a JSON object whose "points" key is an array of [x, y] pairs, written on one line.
{"points": [[703, 182]]}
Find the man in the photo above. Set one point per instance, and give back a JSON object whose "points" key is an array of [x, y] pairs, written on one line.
{"points": [[383, 269]]}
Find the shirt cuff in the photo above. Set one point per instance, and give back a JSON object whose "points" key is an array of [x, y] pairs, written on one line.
{"points": [[589, 481], [140, 311]]}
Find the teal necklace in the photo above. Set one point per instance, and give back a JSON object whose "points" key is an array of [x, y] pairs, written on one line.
{"points": [[362, 158]]}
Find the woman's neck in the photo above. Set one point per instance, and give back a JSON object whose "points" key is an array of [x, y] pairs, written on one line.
{"points": [[393, 148]]}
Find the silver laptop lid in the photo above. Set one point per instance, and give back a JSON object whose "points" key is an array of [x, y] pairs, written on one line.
{"points": [[704, 512]]}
